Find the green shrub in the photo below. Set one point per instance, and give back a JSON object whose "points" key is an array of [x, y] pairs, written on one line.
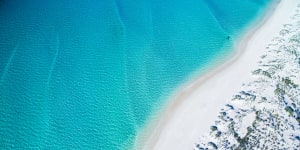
{"points": [[290, 110]]}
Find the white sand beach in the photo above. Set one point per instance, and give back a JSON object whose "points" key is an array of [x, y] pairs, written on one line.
{"points": [[193, 110]]}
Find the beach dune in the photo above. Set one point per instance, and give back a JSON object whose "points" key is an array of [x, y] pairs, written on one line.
{"points": [[193, 109]]}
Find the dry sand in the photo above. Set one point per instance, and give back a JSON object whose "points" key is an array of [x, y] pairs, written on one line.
{"points": [[194, 108]]}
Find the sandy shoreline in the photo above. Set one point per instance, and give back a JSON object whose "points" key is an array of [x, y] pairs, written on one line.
{"points": [[193, 110]]}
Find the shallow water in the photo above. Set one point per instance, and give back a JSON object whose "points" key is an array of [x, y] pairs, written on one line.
{"points": [[88, 74]]}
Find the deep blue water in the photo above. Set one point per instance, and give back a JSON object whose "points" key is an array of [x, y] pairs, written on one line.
{"points": [[88, 74]]}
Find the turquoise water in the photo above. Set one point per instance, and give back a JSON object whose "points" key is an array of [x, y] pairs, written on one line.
{"points": [[88, 74]]}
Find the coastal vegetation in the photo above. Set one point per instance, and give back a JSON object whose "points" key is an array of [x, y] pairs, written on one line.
{"points": [[265, 114]]}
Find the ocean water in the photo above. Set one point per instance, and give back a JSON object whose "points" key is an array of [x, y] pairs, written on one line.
{"points": [[89, 74]]}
